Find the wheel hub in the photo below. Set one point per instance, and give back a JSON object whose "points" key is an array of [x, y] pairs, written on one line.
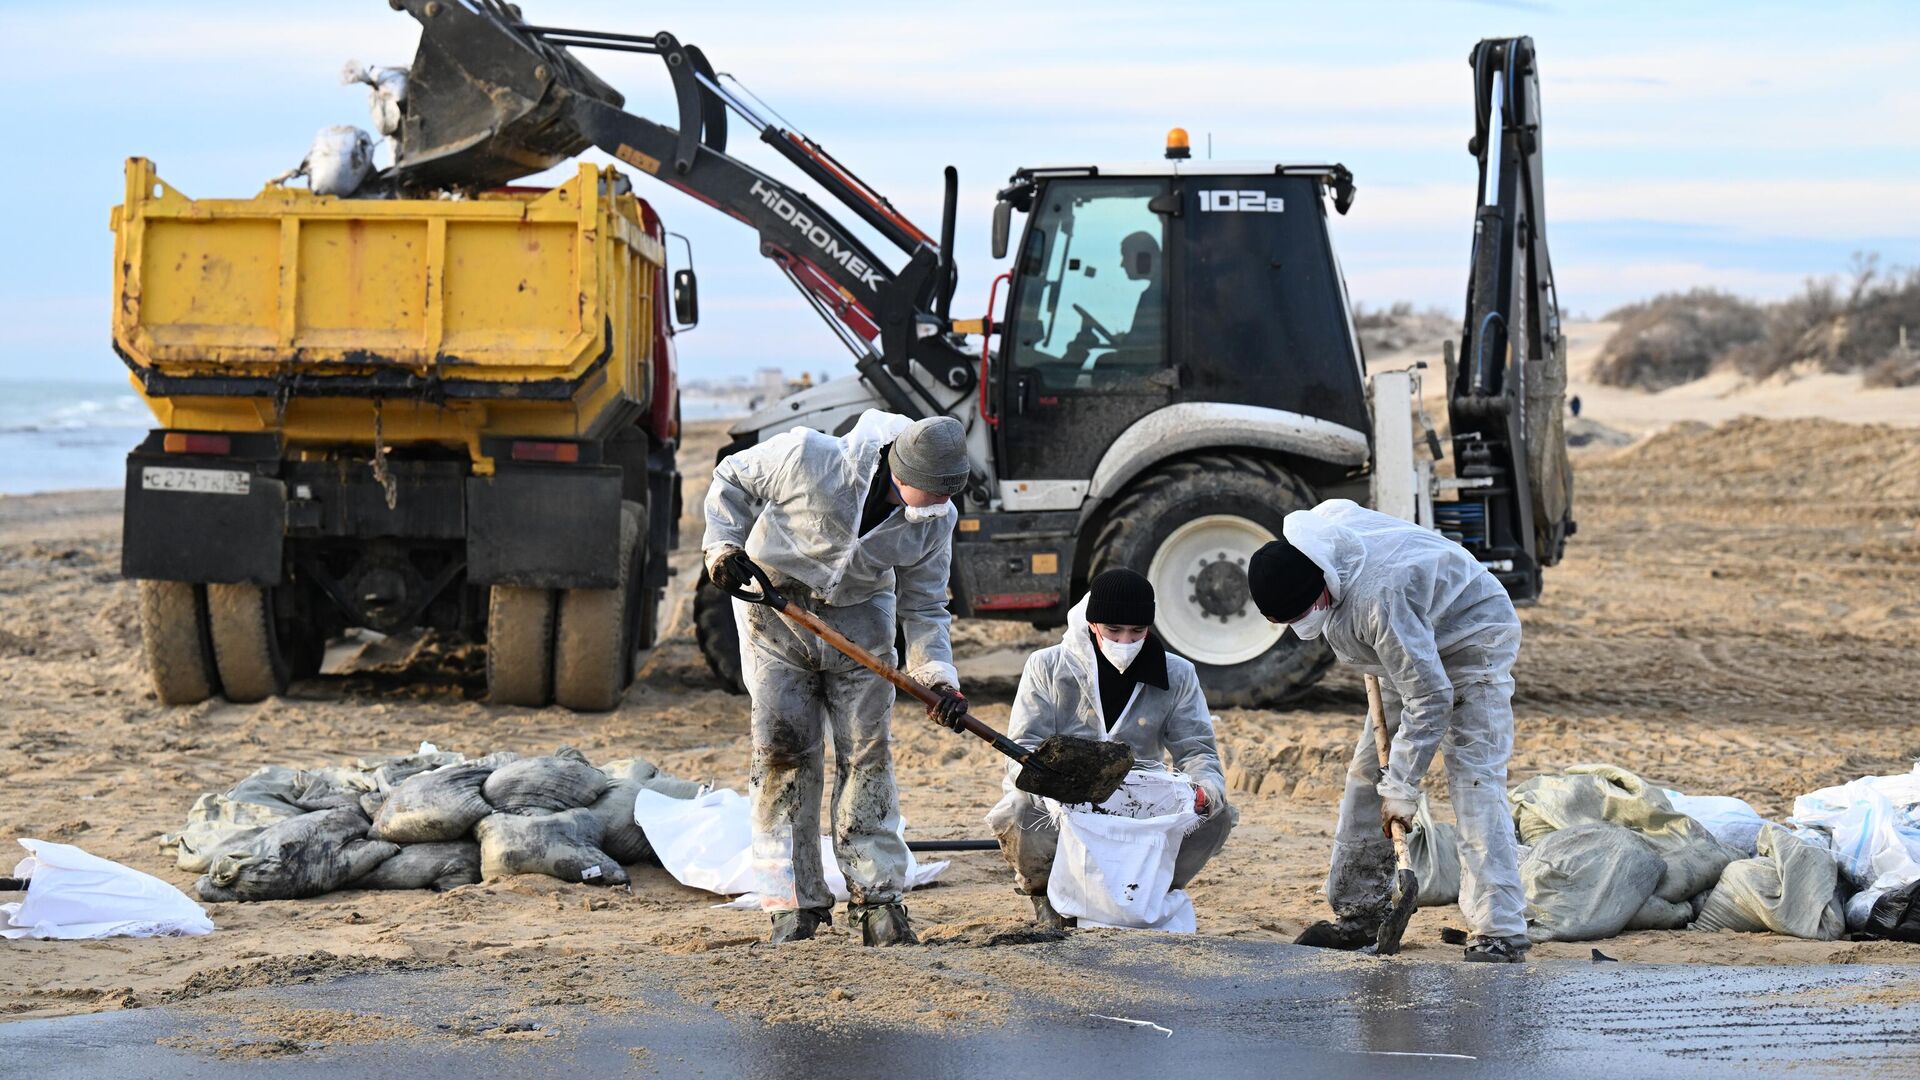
{"points": [[1220, 587], [1205, 611]]}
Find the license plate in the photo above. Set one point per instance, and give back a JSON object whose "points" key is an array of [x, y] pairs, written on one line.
{"points": [[197, 481]]}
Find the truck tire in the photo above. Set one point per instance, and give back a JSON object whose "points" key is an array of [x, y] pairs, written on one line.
{"points": [[519, 646], [175, 642], [646, 623], [719, 638], [591, 641], [245, 648], [1190, 526]]}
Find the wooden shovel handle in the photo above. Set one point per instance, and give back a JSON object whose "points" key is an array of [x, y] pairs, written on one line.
{"points": [[1383, 747], [893, 675]]}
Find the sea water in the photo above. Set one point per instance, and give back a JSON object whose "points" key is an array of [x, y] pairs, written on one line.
{"points": [[64, 435]]}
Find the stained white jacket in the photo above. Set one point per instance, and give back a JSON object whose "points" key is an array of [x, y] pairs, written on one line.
{"points": [[794, 501], [1413, 608], [1058, 696]]}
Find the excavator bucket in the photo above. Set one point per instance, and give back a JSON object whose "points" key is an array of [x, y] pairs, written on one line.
{"points": [[487, 101]]}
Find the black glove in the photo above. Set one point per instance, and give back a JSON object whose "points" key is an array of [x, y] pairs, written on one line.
{"points": [[949, 709], [731, 569]]}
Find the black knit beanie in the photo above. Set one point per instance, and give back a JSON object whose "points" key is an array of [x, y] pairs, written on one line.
{"points": [[1284, 582], [1120, 597]]}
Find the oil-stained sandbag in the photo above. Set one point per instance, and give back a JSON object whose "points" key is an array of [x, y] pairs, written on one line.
{"points": [[620, 836], [219, 823], [389, 772], [1586, 882], [438, 867], [1792, 887], [1693, 857], [371, 802], [564, 845], [544, 785], [301, 857], [433, 806]]}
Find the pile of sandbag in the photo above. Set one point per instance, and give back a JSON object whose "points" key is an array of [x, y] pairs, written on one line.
{"points": [[1607, 852], [428, 820], [1871, 826]]}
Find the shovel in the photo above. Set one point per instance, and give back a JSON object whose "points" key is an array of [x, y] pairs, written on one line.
{"points": [[1064, 768], [1405, 895]]}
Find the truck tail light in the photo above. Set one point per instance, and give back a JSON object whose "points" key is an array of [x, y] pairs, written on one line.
{"points": [[179, 442], [562, 452]]}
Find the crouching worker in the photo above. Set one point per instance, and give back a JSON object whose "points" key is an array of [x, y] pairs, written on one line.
{"points": [[857, 530], [1418, 612], [1110, 678]]}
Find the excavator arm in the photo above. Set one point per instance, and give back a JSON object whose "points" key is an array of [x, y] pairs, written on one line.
{"points": [[493, 98], [1506, 397]]}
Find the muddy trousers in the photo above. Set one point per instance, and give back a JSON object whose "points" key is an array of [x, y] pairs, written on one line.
{"points": [[1477, 745], [803, 689], [1028, 840]]}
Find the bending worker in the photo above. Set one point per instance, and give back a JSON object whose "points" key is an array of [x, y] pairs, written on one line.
{"points": [[1415, 610], [1110, 678], [857, 530]]}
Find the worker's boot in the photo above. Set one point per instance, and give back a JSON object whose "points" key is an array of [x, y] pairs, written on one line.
{"points": [[798, 925], [1048, 919], [882, 924], [1498, 950], [1344, 934]]}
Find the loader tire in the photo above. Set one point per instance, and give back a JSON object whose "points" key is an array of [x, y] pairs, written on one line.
{"points": [[592, 639], [175, 642], [246, 650], [519, 646], [719, 638], [1190, 526]]}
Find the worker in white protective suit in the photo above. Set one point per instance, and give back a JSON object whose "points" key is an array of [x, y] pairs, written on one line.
{"points": [[1110, 678], [857, 530], [1418, 612]]}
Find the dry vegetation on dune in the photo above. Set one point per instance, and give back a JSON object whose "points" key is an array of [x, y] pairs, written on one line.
{"points": [[1675, 338]]}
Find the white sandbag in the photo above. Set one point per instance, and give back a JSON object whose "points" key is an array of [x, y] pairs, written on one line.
{"points": [[339, 160], [1433, 849], [386, 93], [1874, 823], [1792, 887], [1587, 881], [1117, 871], [1732, 821], [1584, 794], [75, 895], [707, 843]]}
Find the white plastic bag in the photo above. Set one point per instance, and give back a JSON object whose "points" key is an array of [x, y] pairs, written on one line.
{"points": [[707, 843], [1117, 871], [386, 93], [1732, 821], [1875, 825], [73, 895]]}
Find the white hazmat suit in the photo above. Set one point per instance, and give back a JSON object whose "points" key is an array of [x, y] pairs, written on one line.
{"points": [[1420, 613], [1058, 696], [794, 503]]}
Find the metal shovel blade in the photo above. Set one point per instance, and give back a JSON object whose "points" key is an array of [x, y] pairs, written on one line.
{"points": [[1400, 904], [1070, 769]]}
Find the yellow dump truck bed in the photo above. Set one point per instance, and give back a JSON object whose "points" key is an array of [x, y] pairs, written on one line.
{"points": [[523, 312]]}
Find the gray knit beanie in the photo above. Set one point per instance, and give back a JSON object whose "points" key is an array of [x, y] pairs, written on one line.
{"points": [[931, 455]]}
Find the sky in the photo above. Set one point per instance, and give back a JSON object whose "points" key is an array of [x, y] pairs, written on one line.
{"points": [[1746, 146]]}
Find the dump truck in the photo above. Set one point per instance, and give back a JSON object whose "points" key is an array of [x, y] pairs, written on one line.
{"points": [[1169, 370], [453, 413]]}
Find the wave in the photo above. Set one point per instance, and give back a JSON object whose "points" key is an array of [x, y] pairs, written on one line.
{"points": [[29, 409]]}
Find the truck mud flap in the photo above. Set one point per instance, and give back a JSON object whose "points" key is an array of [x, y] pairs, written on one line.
{"points": [[1017, 565], [201, 519], [545, 528]]}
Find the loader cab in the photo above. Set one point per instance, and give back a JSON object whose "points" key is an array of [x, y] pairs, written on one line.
{"points": [[1138, 287]]}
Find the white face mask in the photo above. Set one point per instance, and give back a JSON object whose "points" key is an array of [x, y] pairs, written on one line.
{"points": [[1312, 623], [922, 514], [1117, 654]]}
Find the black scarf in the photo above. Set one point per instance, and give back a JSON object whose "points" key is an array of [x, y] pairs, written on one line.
{"points": [[1116, 686]]}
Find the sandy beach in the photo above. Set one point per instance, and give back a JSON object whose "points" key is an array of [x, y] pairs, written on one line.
{"points": [[1737, 615]]}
